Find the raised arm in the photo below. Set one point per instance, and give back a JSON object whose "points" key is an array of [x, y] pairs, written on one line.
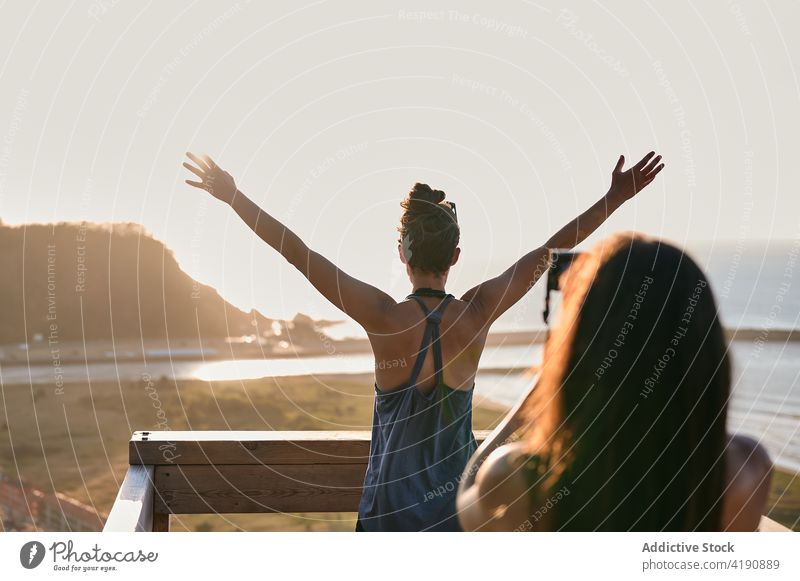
{"points": [[495, 296], [366, 304]]}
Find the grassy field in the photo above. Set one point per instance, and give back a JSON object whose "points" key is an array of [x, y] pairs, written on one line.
{"points": [[75, 441], [784, 499]]}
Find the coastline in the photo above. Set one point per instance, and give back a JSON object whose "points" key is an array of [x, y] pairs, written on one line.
{"points": [[135, 350]]}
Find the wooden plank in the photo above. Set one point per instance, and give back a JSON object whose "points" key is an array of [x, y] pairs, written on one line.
{"points": [[197, 489], [767, 525], [240, 435], [133, 508], [286, 448], [252, 447]]}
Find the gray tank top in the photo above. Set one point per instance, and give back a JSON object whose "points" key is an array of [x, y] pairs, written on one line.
{"points": [[420, 446]]}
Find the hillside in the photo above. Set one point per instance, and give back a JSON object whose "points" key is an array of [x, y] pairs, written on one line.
{"points": [[88, 282]]}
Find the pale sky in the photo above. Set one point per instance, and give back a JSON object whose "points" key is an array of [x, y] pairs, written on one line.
{"points": [[327, 112]]}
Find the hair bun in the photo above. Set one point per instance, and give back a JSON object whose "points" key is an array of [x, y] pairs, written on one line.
{"points": [[422, 198], [429, 231]]}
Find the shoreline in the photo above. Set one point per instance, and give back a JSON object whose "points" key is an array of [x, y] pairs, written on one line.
{"points": [[130, 350]]}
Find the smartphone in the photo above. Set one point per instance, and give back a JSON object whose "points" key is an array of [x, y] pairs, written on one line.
{"points": [[560, 261]]}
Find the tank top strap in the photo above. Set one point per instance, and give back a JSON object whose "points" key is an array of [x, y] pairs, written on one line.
{"points": [[430, 337], [421, 303], [421, 354]]}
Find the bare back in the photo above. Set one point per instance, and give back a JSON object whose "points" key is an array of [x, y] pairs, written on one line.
{"points": [[396, 347]]}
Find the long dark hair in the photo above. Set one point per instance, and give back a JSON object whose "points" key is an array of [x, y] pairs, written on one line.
{"points": [[628, 418], [430, 230]]}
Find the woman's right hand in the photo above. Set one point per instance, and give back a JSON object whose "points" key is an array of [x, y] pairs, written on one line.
{"points": [[213, 178]]}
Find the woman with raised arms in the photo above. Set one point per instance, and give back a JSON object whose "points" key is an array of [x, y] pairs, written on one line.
{"points": [[422, 423]]}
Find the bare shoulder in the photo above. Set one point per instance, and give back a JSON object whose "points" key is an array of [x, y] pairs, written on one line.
{"points": [[474, 306], [499, 498], [748, 475], [468, 323]]}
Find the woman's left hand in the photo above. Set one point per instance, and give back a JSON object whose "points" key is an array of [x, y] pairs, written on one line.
{"points": [[626, 184]]}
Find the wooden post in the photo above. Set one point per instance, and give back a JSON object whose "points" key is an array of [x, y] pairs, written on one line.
{"points": [[160, 522], [133, 508]]}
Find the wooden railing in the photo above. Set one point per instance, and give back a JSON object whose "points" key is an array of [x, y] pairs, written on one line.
{"points": [[244, 472], [239, 472]]}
